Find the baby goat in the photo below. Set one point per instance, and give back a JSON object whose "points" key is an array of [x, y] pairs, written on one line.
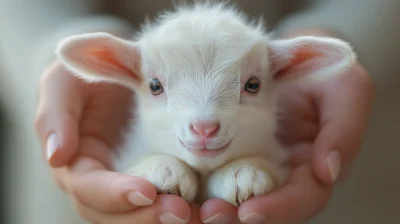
{"points": [[204, 79]]}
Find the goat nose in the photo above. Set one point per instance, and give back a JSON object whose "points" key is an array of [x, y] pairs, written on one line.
{"points": [[205, 129]]}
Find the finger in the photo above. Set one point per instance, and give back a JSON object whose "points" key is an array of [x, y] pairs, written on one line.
{"points": [[297, 117], [217, 211], [60, 107], [300, 154], [344, 117], [105, 191], [161, 211], [194, 214], [299, 200]]}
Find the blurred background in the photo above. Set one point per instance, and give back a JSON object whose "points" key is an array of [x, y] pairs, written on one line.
{"points": [[29, 194]]}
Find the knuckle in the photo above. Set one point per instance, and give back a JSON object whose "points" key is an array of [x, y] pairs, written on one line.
{"points": [[82, 211], [45, 82], [60, 176], [41, 116], [74, 192], [79, 208], [359, 78], [363, 78], [112, 184], [319, 206], [324, 202], [49, 72], [39, 121], [60, 183]]}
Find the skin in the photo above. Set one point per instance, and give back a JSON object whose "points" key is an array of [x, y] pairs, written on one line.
{"points": [[87, 119]]}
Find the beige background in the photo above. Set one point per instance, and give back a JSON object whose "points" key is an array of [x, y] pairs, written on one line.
{"points": [[371, 196]]}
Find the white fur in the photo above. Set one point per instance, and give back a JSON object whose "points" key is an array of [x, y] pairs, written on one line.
{"points": [[203, 56]]}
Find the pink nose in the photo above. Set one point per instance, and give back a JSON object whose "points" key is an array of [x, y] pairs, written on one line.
{"points": [[205, 129]]}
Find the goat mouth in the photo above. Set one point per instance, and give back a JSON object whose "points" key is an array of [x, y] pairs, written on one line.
{"points": [[205, 152]]}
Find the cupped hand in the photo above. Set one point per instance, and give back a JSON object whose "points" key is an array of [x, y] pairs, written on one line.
{"points": [[322, 125], [79, 124]]}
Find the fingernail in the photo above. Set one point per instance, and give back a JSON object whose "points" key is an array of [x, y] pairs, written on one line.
{"points": [[52, 144], [333, 161], [253, 218], [169, 218], [139, 199], [219, 218]]}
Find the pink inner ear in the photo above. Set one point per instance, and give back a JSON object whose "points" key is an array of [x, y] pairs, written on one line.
{"points": [[300, 57], [102, 57], [308, 56], [108, 60]]}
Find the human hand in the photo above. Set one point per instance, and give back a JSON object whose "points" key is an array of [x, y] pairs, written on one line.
{"points": [[322, 125], [79, 125]]}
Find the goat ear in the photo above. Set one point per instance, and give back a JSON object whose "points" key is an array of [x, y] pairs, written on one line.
{"points": [[309, 55], [101, 57]]}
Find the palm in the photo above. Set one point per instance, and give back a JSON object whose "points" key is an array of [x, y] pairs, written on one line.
{"points": [[298, 123], [105, 116]]}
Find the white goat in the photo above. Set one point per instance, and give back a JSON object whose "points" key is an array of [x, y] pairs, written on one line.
{"points": [[205, 86]]}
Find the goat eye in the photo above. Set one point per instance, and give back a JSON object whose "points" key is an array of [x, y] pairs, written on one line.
{"points": [[253, 85], [156, 87]]}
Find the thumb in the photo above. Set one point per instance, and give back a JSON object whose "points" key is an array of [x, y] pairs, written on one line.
{"points": [[345, 105], [60, 107]]}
